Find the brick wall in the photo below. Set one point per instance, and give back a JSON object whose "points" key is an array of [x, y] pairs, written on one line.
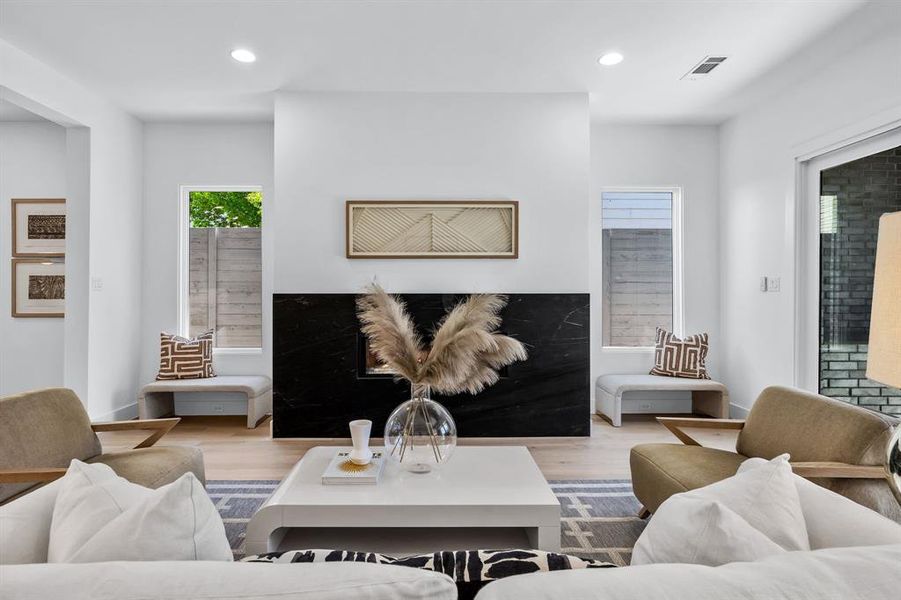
{"points": [[843, 376], [863, 189]]}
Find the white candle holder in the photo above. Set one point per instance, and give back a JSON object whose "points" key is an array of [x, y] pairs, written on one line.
{"points": [[359, 432]]}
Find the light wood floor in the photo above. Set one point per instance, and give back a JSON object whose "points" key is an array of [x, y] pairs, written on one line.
{"points": [[231, 451]]}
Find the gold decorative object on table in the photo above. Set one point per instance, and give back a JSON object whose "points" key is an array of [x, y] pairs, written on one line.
{"points": [[342, 470], [350, 466]]}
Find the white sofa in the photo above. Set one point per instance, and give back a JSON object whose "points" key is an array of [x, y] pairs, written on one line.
{"points": [[190, 580], [158, 527], [855, 554], [867, 573]]}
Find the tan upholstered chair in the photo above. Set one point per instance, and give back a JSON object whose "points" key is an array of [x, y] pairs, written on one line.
{"points": [[42, 431], [838, 445]]}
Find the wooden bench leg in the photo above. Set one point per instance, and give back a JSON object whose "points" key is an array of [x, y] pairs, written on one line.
{"points": [[712, 403]]}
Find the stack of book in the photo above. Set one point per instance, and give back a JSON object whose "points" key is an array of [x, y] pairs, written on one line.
{"points": [[343, 471]]}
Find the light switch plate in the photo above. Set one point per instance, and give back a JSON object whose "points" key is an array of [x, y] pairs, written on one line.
{"points": [[96, 283], [763, 284]]}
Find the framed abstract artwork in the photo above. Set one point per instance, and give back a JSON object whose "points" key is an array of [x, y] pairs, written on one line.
{"points": [[38, 227], [38, 288], [432, 229]]}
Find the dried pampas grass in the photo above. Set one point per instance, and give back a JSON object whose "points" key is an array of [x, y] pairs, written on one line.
{"points": [[392, 335], [466, 349]]}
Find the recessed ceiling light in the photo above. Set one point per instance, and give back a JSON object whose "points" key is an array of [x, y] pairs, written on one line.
{"points": [[243, 55], [610, 59]]}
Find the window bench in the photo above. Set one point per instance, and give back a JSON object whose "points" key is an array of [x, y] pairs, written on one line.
{"points": [[708, 397], [157, 399]]}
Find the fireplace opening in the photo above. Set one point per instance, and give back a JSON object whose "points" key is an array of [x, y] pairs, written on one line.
{"points": [[369, 366]]}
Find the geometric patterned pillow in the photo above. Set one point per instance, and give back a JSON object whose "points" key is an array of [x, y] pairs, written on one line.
{"points": [[186, 358], [470, 569], [674, 357]]}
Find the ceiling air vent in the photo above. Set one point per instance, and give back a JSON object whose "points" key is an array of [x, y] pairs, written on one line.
{"points": [[704, 68]]}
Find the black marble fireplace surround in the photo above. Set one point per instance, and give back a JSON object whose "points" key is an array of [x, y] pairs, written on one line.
{"points": [[317, 387]]}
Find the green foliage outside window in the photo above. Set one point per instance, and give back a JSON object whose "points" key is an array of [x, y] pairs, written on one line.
{"points": [[226, 209]]}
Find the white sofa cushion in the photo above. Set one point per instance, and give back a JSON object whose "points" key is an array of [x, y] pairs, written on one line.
{"points": [[25, 526], [100, 516], [234, 581], [745, 517], [834, 521], [765, 497], [869, 573], [700, 532]]}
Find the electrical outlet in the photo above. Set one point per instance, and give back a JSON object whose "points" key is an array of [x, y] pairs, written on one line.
{"points": [[218, 408], [96, 283], [774, 284], [645, 406]]}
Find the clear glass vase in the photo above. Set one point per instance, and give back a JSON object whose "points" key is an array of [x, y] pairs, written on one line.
{"points": [[420, 434]]}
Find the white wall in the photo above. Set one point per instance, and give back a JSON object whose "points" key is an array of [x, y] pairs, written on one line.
{"points": [[662, 156], [105, 244], [198, 154], [332, 147], [846, 84], [33, 165], [78, 268]]}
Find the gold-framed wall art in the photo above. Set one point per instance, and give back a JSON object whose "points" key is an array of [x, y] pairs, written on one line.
{"points": [[38, 288], [38, 227], [396, 229]]}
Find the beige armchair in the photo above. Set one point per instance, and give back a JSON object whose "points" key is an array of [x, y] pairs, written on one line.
{"points": [[839, 446], [42, 431]]}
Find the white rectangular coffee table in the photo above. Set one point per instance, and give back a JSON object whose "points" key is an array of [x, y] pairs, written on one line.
{"points": [[484, 497]]}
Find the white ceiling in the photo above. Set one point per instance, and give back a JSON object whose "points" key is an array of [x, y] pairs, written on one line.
{"points": [[170, 59], [10, 112]]}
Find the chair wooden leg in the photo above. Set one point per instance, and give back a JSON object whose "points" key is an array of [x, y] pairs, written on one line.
{"points": [[643, 513]]}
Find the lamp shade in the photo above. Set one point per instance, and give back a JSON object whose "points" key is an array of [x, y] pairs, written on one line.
{"points": [[884, 356]]}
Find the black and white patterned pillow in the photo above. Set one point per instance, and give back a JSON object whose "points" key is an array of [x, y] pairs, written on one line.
{"points": [[470, 569]]}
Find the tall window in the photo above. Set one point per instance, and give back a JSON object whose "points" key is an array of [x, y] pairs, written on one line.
{"points": [[222, 287], [640, 265]]}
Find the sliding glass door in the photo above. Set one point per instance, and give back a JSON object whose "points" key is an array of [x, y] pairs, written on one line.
{"points": [[852, 197]]}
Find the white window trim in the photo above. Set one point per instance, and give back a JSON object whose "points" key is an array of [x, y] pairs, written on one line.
{"points": [[184, 227], [806, 230], [678, 319]]}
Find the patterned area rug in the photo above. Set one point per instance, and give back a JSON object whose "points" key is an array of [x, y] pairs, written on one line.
{"points": [[598, 517]]}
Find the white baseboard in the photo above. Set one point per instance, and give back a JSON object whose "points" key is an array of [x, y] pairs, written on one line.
{"points": [[125, 413], [738, 412]]}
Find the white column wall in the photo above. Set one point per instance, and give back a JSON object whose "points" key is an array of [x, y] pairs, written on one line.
{"points": [[33, 165]]}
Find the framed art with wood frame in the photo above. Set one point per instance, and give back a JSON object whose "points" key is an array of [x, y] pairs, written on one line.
{"points": [[38, 288], [432, 229], [38, 227]]}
